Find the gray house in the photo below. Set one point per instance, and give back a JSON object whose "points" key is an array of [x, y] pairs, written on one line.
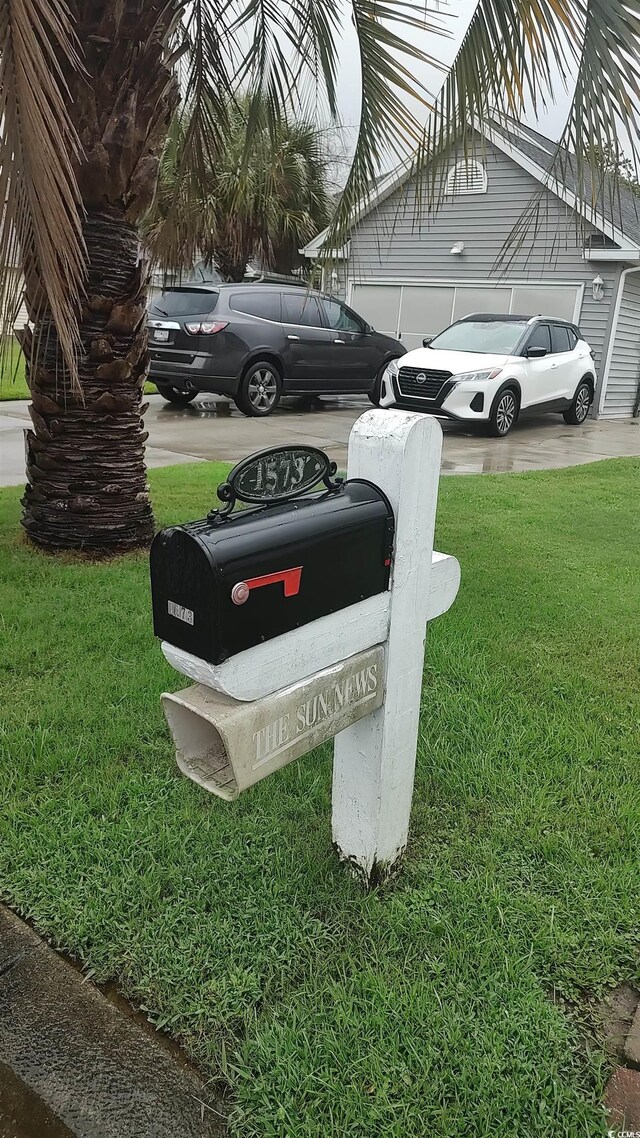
{"points": [[411, 278]]}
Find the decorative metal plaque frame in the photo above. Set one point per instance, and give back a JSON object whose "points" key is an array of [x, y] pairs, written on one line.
{"points": [[277, 474]]}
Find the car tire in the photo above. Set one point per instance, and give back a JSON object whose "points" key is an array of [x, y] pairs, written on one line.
{"points": [[260, 390], [504, 413], [174, 394], [579, 409], [374, 392]]}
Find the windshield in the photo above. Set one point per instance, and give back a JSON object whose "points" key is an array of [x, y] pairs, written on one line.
{"points": [[185, 302], [499, 336]]}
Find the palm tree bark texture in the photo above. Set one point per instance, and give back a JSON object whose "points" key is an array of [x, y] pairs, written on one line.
{"points": [[87, 486]]}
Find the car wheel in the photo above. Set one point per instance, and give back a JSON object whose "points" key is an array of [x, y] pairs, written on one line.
{"points": [[374, 392], [260, 390], [504, 413], [579, 409], [174, 394]]}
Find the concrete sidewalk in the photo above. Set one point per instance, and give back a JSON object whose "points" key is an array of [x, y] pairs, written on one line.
{"points": [[195, 433]]}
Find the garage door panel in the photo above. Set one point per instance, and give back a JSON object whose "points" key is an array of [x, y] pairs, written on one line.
{"points": [[470, 300], [544, 301], [415, 311], [379, 304], [426, 310]]}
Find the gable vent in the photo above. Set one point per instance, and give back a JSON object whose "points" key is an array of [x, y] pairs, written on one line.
{"points": [[468, 177]]}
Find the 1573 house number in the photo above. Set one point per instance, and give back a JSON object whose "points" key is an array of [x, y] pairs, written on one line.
{"points": [[277, 475], [280, 475]]}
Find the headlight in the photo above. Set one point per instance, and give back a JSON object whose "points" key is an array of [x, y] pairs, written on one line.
{"points": [[476, 376], [391, 370]]}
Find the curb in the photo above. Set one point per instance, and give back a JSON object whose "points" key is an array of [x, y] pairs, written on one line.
{"points": [[96, 1070]]}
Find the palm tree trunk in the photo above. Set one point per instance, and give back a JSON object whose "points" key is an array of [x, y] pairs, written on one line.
{"points": [[87, 487]]}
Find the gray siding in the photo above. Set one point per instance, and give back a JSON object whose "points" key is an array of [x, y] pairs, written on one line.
{"points": [[334, 278], [391, 244], [624, 372]]}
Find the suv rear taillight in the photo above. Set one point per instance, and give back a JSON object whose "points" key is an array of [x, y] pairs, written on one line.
{"points": [[206, 328]]}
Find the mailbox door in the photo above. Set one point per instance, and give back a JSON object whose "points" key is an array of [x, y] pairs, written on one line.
{"points": [[186, 591]]}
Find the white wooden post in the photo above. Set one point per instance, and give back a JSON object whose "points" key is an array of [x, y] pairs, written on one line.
{"points": [[374, 759], [357, 671]]}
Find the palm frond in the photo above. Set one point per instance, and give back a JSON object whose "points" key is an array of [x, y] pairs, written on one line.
{"points": [[606, 103], [282, 48], [389, 129], [207, 87], [512, 54], [318, 36], [41, 223], [506, 60], [605, 40], [267, 206]]}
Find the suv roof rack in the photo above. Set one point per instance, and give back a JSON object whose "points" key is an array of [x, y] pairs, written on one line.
{"points": [[274, 278]]}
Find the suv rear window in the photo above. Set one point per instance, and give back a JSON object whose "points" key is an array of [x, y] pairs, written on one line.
{"points": [[257, 303], [186, 302]]}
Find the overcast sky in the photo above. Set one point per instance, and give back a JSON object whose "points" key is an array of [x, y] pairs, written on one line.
{"points": [[454, 16]]}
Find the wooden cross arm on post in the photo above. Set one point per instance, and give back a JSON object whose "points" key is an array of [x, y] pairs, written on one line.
{"points": [[266, 668]]}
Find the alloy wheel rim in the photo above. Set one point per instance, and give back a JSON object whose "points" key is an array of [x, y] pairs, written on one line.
{"points": [[505, 413], [263, 388], [582, 403]]}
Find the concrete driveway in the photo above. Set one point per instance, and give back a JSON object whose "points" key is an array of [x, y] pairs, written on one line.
{"points": [[197, 432]]}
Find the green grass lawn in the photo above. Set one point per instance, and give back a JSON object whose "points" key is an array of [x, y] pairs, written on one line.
{"points": [[13, 384], [426, 1008]]}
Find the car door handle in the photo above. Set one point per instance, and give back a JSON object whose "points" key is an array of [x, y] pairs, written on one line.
{"points": [[339, 341], [293, 337]]}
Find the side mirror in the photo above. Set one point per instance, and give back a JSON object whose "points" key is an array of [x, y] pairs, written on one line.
{"points": [[536, 353], [426, 341]]}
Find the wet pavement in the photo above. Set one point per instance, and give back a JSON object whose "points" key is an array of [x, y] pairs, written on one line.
{"points": [[196, 432], [23, 1114], [71, 1063]]}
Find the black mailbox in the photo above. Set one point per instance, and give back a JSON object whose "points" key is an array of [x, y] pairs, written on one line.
{"points": [[226, 583]]}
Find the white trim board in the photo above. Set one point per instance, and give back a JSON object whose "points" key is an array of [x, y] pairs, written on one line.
{"points": [[611, 255], [386, 186]]}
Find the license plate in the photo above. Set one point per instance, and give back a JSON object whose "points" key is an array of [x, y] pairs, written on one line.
{"points": [[161, 334]]}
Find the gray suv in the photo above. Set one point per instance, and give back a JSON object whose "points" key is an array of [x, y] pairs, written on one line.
{"points": [[258, 342]]}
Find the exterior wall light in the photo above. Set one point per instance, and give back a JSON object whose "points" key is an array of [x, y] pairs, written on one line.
{"points": [[458, 248], [597, 288]]}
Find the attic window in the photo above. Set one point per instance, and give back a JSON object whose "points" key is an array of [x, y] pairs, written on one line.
{"points": [[467, 177]]}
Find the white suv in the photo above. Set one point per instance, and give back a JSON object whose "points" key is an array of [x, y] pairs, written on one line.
{"points": [[488, 368]]}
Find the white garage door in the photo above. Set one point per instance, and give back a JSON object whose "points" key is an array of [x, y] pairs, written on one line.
{"points": [[412, 311]]}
